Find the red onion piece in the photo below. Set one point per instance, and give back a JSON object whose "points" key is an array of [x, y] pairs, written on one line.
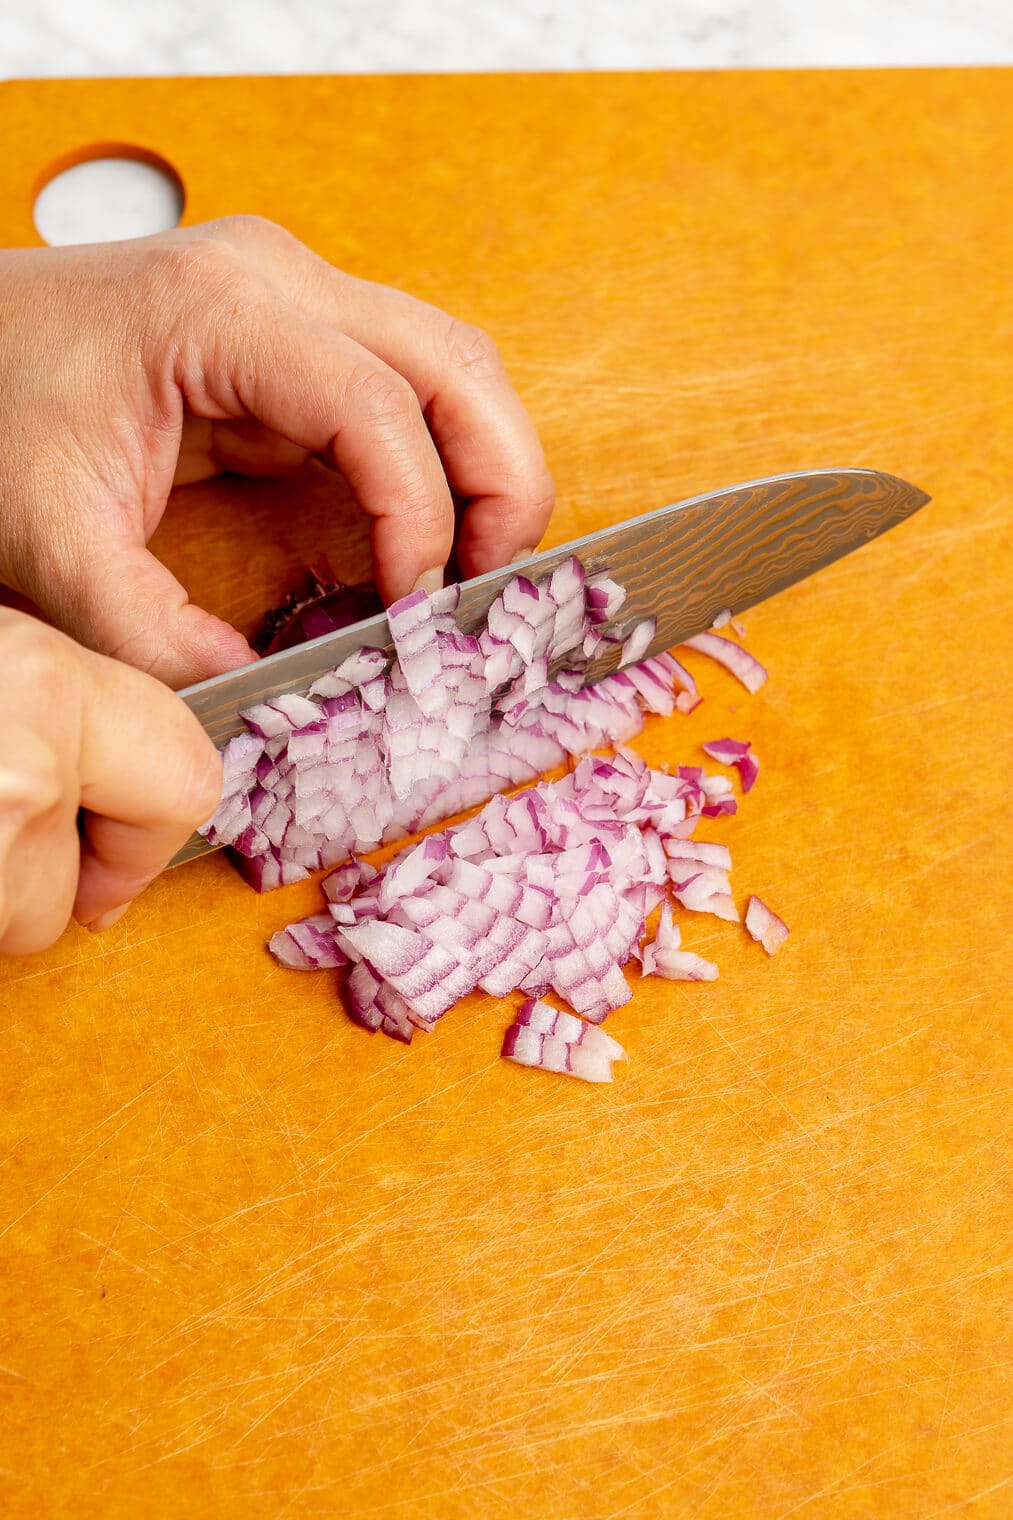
{"points": [[749, 769], [737, 752], [341, 885], [359, 668], [604, 597], [566, 1027], [705, 890], [668, 934], [683, 966], [688, 852], [765, 926], [667, 937], [309, 945], [732, 656], [540, 1036], [638, 642], [727, 751]]}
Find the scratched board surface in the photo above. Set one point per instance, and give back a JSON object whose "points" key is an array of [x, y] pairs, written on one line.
{"points": [[255, 1262]]}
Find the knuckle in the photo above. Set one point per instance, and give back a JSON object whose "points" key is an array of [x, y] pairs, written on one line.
{"points": [[542, 499], [472, 349], [384, 399], [245, 227], [32, 781], [34, 656], [422, 517], [527, 506], [142, 646], [530, 492], [245, 230], [198, 264], [33, 789], [47, 788]]}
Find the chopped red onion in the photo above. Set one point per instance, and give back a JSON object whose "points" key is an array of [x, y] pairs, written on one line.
{"points": [[543, 1036], [684, 966], [737, 752], [308, 945], [726, 751], [341, 885], [705, 890], [382, 748], [549, 889], [688, 852], [765, 926], [356, 671], [732, 656], [636, 645], [667, 936], [544, 1019]]}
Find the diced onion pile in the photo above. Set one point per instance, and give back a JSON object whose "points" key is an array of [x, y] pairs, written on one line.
{"points": [[548, 890], [384, 747]]}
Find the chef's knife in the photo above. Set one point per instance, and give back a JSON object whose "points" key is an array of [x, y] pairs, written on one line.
{"points": [[681, 565]]}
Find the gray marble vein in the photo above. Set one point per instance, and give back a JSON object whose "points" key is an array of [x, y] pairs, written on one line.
{"points": [[108, 37]]}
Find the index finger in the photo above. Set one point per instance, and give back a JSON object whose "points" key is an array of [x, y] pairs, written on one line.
{"points": [[487, 443], [312, 384], [486, 440]]}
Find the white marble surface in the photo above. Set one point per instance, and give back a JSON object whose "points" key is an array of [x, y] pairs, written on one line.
{"points": [[41, 38], [104, 37]]}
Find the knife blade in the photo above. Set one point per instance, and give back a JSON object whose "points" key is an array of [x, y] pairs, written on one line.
{"points": [[681, 564]]}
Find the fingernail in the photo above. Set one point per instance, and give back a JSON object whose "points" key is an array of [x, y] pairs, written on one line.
{"points": [[525, 554], [430, 581], [106, 920]]}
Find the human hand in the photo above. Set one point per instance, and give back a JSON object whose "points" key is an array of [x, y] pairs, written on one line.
{"points": [[83, 731], [126, 368]]}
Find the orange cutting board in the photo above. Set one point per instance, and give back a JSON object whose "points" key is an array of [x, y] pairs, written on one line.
{"points": [[257, 1263]]}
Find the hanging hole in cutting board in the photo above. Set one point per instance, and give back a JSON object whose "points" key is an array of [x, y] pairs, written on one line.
{"points": [[107, 192]]}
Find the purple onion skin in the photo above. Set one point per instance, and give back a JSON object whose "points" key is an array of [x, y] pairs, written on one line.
{"points": [[322, 604]]}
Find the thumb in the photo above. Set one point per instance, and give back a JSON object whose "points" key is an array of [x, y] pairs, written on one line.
{"points": [[128, 605]]}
